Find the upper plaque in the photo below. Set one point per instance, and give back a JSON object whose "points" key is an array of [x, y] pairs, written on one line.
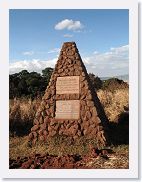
{"points": [[67, 85]]}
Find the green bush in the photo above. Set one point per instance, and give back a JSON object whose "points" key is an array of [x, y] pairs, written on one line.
{"points": [[30, 85], [114, 84], [96, 81]]}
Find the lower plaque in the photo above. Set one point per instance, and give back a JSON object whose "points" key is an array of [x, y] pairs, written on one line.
{"points": [[67, 109]]}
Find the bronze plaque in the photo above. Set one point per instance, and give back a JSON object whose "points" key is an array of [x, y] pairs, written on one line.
{"points": [[67, 109], [67, 85]]}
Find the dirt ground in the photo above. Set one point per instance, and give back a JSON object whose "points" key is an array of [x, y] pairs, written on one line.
{"points": [[58, 157]]}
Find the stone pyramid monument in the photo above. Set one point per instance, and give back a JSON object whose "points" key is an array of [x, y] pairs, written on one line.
{"points": [[70, 106]]}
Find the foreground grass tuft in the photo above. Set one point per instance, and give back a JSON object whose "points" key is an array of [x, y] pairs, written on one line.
{"points": [[118, 159]]}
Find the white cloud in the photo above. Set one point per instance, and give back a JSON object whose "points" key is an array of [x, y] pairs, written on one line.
{"points": [[28, 53], [112, 63], [95, 52], [69, 25], [67, 35], [55, 50], [31, 65]]}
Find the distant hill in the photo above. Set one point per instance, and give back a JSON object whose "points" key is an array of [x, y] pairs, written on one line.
{"points": [[125, 78]]}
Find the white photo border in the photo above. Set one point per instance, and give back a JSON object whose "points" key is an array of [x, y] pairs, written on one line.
{"points": [[132, 172]]}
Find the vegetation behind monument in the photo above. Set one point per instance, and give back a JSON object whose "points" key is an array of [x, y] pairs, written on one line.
{"points": [[113, 94], [24, 102], [32, 84]]}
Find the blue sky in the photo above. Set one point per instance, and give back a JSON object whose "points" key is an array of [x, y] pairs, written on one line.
{"points": [[102, 37]]}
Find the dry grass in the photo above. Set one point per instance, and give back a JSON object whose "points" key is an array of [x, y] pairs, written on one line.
{"points": [[22, 111], [19, 146], [119, 159], [21, 115], [24, 108], [114, 102]]}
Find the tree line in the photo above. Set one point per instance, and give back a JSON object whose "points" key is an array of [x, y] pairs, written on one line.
{"points": [[33, 84], [29, 84]]}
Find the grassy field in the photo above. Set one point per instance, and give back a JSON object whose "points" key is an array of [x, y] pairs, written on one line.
{"points": [[118, 159], [114, 103], [22, 112]]}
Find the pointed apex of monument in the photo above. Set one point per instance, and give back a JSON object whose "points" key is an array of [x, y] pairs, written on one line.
{"points": [[69, 51], [68, 44]]}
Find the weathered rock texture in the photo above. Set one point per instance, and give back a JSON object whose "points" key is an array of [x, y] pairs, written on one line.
{"points": [[38, 161], [92, 122]]}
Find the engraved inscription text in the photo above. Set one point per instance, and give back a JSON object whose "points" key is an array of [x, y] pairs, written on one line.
{"points": [[67, 85], [67, 109]]}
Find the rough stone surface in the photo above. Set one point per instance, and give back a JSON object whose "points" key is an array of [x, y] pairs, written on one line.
{"points": [[92, 121], [46, 161]]}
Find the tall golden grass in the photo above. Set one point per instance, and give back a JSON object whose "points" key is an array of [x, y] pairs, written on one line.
{"points": [[22, 111], [114, 103], [21, 115]]}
